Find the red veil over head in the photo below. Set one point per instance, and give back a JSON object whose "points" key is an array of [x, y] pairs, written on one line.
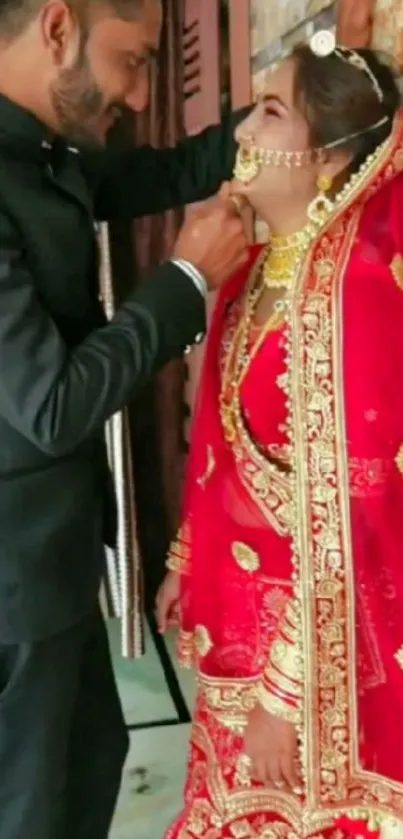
{"points": [[326, 391]]}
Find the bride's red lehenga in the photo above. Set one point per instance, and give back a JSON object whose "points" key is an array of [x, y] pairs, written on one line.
{"points": [[291, 547]]}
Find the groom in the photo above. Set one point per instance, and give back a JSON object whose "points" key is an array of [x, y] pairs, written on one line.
{"points": [[66, 69]]}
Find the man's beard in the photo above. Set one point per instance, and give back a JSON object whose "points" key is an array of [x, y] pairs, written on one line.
{"points": [[79, 104]]}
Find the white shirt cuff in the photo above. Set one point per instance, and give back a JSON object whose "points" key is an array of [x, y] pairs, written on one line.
{"points": [[194, 274]]}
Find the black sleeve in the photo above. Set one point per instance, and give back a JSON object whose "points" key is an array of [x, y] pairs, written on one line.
{"points": [[56, 396], [143, 181]]}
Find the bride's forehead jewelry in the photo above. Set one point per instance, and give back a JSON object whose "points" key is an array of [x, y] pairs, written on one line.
{"points": [[323, 44]]}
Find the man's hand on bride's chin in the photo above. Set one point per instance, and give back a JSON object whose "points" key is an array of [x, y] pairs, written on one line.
{"points": [[272, 746]]}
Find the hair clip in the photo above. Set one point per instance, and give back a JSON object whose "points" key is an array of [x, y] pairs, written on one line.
{"points": [[323, 43]]}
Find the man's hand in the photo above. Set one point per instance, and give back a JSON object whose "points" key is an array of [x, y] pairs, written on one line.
{"points": [[167, 603], [271, 745], [214, 241]]}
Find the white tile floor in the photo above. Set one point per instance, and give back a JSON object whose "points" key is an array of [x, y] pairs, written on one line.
{"points": [[142, 686], [153, 781], [152, 786]]}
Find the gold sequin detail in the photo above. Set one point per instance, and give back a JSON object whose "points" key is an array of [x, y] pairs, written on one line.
{"points": [[399, 657], [202, 641], [396, 267], [243, 775], [399, 460], [230, 701], [179, 551], [203, 479], [278, 707], [245, 557]]}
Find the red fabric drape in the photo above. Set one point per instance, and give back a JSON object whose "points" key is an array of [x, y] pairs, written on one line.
{"points": [[324, 540]]}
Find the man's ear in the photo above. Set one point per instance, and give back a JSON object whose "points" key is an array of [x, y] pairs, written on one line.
{"points": [[60, 33]]}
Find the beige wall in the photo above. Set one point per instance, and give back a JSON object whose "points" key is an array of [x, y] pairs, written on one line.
{"points": [[388, 28]]}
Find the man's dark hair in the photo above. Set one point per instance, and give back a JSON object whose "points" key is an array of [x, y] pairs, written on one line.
{"points": [[15, 15]]}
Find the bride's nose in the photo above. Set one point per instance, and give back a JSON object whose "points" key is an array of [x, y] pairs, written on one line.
{"points": [[244, 134]]}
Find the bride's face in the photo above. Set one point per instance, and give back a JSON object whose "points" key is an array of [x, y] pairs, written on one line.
{"points": [[276, 124]]}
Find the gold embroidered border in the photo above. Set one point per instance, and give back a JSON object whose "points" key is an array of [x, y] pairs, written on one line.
{"points": [[396, 267], [322, 551], [322, 540], [399, 460], [229, 700], [230, 806], [399, 657], [270, 488], [193, 646]]}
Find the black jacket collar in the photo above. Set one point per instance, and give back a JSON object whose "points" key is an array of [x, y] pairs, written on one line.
{"points": [[16, 122], [24, 137]]}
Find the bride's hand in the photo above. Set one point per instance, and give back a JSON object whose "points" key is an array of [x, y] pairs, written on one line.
{"points": [[272, 747], [167, 602]]}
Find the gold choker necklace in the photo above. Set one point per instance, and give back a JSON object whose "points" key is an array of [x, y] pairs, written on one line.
{"points": [[284, 257]]}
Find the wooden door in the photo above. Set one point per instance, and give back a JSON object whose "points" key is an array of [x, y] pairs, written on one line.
{"points": [[204, 51]]}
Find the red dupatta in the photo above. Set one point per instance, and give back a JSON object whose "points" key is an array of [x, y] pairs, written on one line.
{"points": [[334, 528]]}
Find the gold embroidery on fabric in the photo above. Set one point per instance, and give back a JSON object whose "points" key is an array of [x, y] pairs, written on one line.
{"points": [[399, 657], [396, 267], [278, 707], [232, 806], [323, 579], [191, 646], [325, 539], [202, 481], [185, 649], [330, 753], [179, 551], [391, 829], [268, 485], [399, 460], [286, 661], [242, 776], [245, 557], [202, 641], [280, 452], [229, 701]]}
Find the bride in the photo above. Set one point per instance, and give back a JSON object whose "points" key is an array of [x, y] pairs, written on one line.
{"points": [[288, 566]]}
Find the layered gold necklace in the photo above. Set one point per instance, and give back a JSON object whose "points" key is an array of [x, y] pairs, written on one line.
{"points": [[278, 269], [284, 258]]}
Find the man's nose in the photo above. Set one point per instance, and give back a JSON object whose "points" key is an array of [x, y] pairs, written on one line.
{"points": [[138, 98]]}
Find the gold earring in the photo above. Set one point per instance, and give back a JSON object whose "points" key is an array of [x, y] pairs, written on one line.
{"points": [[324, 183], [321, 207]]}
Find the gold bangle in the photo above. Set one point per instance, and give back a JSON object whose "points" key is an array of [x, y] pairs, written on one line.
{"points": [[178, 565], [289, 686], [278, 707]]}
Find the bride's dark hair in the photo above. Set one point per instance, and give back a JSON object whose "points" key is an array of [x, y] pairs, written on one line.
{"points": [[338, 99]]}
